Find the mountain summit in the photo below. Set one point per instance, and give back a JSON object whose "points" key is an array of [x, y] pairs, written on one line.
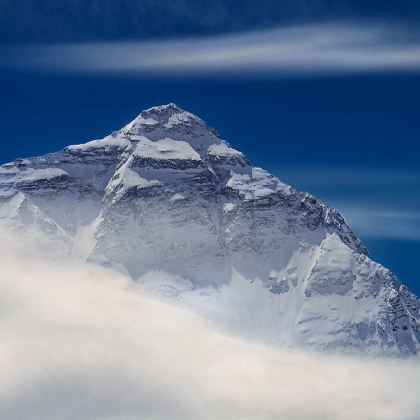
{"points": [[167, 194]]}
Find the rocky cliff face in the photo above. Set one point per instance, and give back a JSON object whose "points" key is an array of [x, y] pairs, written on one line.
{"points": [[167, 193]]}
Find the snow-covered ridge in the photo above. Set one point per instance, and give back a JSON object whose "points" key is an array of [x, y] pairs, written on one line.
{"points": [[179, 119], [166, 193], [258, 185], [107, 144], [125, 179], [32, 174], [222, 149], [166, 149]]}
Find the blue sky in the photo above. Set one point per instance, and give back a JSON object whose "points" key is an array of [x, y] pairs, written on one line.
{"points": [[324, 94]]}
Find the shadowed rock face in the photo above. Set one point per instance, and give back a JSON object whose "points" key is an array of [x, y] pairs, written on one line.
{"points": [[166, 192]]}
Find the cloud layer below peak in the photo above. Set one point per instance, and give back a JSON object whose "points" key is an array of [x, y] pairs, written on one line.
{"points": [[79, 341]]}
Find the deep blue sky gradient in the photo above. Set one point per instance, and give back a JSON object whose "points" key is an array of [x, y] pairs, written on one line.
{"points": [[351, 140]]}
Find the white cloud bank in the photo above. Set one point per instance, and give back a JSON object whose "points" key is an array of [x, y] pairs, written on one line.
{"points": [[321, 48], [78, 342]]}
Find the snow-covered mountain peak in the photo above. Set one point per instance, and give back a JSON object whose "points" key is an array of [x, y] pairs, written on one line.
{"points": [[168, 116], [167, 193], [171, 128], [170, 121]]}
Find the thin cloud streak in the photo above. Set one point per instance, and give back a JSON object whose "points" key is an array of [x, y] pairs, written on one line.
{"points": [[377, 203], [322, 48], [384, 224]]}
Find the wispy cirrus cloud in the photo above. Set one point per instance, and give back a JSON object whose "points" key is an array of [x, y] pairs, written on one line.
{"points": [[304, 49], [383, 223]]}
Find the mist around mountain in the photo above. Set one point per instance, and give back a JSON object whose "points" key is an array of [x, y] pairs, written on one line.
{"points": [[83, 341]]}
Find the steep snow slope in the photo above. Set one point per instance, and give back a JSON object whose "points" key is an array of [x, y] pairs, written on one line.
{"points": [[167, 193]]}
